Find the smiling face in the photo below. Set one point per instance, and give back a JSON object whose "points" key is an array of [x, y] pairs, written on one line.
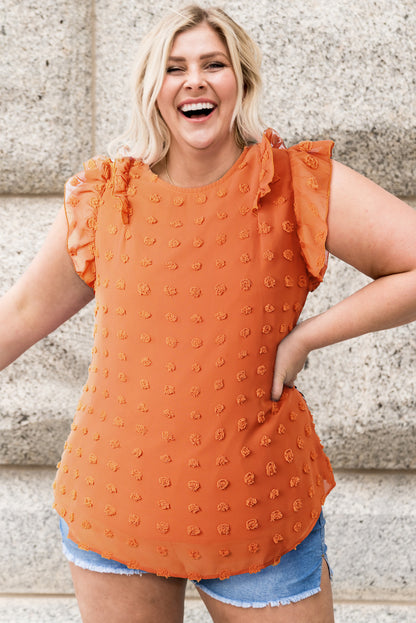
{"points": [[199, 91]]}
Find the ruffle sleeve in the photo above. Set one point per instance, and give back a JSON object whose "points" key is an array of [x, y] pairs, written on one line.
{"points": [[83, 197], [270, 141], [311, 169]]}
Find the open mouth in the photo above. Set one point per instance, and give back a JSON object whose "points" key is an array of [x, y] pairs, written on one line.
{"points": [[197, 111]]}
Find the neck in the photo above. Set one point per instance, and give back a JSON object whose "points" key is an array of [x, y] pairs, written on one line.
{"points": [[199, 168]]}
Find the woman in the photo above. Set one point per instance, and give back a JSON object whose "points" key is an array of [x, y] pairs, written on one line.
{"points": [[201, 244]]}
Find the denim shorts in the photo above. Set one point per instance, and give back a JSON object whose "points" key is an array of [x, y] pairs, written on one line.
{"points": [[296, 577]]}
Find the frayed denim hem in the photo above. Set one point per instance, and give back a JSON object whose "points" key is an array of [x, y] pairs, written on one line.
{"points": [[260, 604], [91, 566]]}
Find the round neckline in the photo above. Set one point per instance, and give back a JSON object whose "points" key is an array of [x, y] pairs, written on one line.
{"points": [[193, 189]]}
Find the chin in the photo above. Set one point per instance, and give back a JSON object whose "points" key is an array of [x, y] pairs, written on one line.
{"points": [[202, 145], [208, 140]]}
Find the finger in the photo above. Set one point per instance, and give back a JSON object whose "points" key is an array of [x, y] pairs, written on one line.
{"points": [[277, 389], [278, 386]]}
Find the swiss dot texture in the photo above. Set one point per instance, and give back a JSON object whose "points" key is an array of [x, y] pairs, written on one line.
{"points": [[178, 462]]}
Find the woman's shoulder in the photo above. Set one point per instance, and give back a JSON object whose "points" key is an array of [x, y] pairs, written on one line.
{"points": [[319, 147]]}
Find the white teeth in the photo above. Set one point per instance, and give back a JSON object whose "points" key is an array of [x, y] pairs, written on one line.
{"points": [[198, 106]]}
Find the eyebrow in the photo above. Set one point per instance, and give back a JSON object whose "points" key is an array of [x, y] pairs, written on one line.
{"points": [[178, 59]]}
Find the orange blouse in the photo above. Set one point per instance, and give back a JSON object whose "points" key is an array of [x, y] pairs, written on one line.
{"points": [[178, 462]]}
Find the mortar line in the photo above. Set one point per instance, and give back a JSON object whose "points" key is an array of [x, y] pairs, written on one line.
{"points": [[27, 468], [382, 471], [93, 76], [32, 196], [37, 595], [374, 602]]}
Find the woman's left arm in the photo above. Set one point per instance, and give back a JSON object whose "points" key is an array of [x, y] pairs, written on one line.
{"points": [[375, 232]]}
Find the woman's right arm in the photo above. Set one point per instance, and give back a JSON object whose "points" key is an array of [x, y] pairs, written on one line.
{"points": [[47, 294]]}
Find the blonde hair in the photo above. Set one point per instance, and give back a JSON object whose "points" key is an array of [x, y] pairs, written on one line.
{"points": [[147, 135]]}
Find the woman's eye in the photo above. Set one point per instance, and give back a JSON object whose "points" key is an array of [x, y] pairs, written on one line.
{"points": [[216, 65], [213, 65]]}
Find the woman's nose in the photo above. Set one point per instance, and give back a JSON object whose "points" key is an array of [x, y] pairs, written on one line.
{"points": [[195, 80]]}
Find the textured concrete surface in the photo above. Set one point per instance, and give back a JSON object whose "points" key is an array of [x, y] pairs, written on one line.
{"points": [[374, 613], [31, 560], [45, 93], [39, 610], [39, 392], [326, 67], [371, 521], [362, 392], [333, 61]]}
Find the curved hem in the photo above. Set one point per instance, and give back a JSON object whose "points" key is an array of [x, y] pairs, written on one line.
{"points": [[191, 576], [260, 604], [95, 567]]}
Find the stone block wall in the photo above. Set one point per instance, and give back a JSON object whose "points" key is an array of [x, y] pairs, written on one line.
{"points": [[342, 69]]}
